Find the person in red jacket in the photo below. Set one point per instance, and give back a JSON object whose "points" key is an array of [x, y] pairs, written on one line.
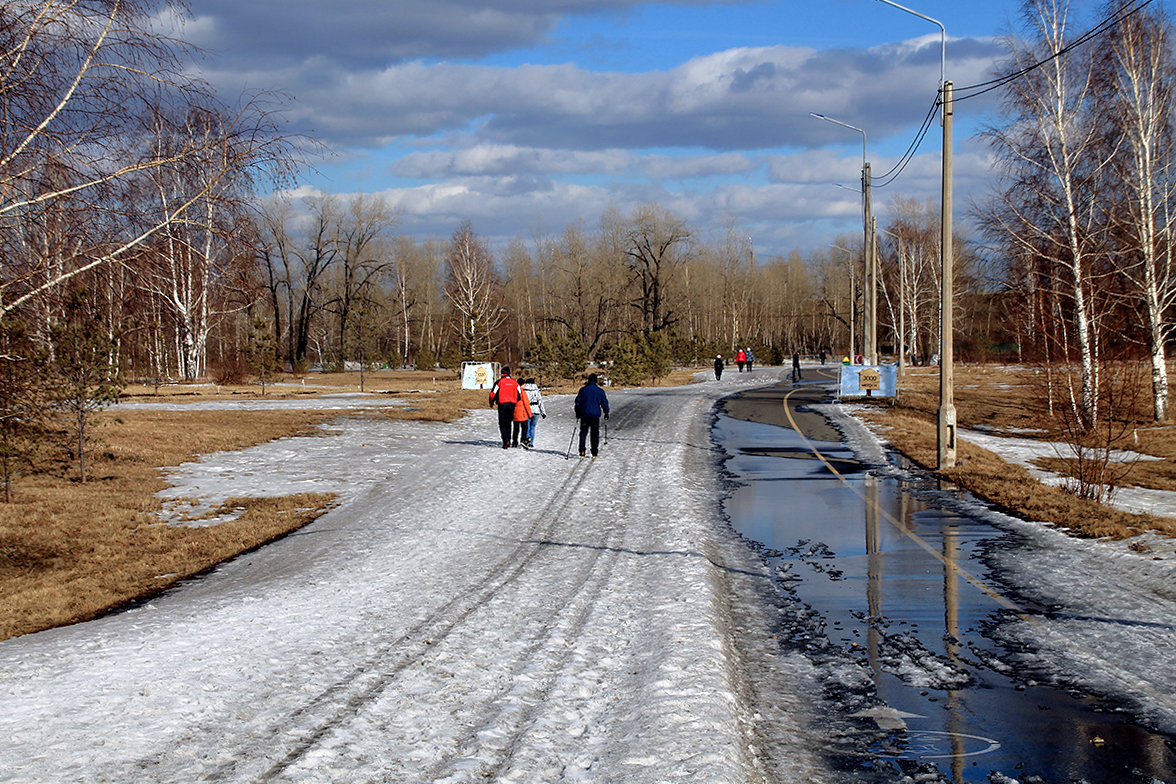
{"points": [[505, 393]]}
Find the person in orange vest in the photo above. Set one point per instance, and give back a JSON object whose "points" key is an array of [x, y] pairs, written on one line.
{"points": [[506, 394], [521, 418]]}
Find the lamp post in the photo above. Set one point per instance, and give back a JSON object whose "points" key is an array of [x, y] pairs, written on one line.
{"points": [[870, 328], [947, 415]]}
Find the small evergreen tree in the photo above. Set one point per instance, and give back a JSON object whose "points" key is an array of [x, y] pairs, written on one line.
{"points": [[22, 401], [83, 379], [262, 351]]}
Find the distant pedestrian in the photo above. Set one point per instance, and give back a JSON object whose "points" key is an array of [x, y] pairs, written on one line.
{"points": [[535, 397], [505, 394], [822, 356], [591, 404], [750, 359], [719, 367], [796, 366], [740, 359]]}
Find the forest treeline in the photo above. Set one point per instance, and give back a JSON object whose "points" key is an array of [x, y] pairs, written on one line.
{"points": [[146, 237]]}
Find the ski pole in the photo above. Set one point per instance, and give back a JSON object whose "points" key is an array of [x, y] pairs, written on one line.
{"points": [[569, 454], [606, 431]]}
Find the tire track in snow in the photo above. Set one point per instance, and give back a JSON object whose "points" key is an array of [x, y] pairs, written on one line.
{"points": [[307, 727], [501, 724], [347, 697]]}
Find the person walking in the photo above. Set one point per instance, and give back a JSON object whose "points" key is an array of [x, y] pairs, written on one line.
{"points": [[535, 398], [740, 358], [750, 359], [591, 404], [796, 366], [505, 394], [719, 367], [521, 419]]}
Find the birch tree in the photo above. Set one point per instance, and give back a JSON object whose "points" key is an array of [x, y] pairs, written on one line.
{"points": [[78, 83], [473, 288], [1140, 77], [1054, 160]]}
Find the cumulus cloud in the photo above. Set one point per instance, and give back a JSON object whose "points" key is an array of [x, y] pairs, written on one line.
{"points": [[372, 34], [727, 132], [740, 99]]}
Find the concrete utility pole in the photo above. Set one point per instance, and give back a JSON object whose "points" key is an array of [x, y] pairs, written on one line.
{"points": [[947, 413], [870, 339], [869, 303]]}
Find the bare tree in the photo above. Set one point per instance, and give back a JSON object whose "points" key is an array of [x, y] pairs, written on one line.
{"points": [[1055, 161], [654, 242], [79, 85], [473, 288], [1140, 75]]}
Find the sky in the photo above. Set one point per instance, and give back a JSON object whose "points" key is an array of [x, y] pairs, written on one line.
{"points": [[526, 116]]}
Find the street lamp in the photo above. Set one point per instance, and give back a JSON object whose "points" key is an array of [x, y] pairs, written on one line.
{"points": [[946, 436], [870, 338]]}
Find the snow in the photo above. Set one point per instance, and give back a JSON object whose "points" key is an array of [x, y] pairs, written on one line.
{"points": [[467, 613], [334, 402], [464, 614]]}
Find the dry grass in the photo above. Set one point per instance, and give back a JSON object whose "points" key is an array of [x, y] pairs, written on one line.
{"points": [[1008, 400], [72, 551]]}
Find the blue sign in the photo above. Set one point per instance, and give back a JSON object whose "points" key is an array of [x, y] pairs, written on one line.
{"points": [[852, 381]]}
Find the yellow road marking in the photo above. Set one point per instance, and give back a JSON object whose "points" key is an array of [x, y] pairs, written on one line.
{"points": [[990, 592]]}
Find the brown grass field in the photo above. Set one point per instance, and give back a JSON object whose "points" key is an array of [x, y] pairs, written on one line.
{"points": [[71, 551]]}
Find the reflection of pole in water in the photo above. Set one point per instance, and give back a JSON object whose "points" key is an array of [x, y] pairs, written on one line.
{"points": [[951, 627], [873, 574]]}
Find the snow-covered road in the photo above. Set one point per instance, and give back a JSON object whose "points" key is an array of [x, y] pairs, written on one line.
{"points": [[465, 614]]}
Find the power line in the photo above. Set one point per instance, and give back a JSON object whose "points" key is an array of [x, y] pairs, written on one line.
{"points": [[1102, 27], [993, 84], [882, 180]]}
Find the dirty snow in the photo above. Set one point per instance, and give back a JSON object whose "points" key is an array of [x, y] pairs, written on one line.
{"points": [[469, 614], [464, 614]]}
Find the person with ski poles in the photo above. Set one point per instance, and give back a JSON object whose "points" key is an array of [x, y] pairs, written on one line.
{"points": [[535, 397], [506, 394], [591, 404]]}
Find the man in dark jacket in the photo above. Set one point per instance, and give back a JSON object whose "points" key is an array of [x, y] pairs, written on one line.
{"points": [[719, 367], [505, 393], [591, 403]]}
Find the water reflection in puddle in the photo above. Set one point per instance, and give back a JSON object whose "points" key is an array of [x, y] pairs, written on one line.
{"points": [[903, 588]]}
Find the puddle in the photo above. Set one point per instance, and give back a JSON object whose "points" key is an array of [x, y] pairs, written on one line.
{"points": [[901, 587]]}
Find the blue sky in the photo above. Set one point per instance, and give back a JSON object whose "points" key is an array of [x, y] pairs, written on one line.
{"points": [[524, 116]]}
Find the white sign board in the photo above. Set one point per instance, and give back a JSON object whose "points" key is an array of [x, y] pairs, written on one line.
{"points": [[478, 375]]}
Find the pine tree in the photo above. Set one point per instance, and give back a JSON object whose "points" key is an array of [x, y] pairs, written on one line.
{"points": [[83, 378], [22, 402]]}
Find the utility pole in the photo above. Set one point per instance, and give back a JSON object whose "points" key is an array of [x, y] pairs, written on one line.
{"points": [[947, 413], [870, 338]]}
